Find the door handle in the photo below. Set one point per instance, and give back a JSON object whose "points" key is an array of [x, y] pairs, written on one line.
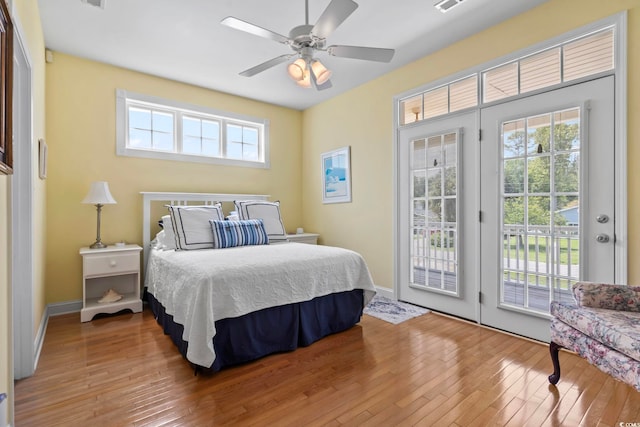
{"points": [[602, 238]]}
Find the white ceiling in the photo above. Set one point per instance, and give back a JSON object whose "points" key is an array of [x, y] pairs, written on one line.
{"points": [[183, 40]]}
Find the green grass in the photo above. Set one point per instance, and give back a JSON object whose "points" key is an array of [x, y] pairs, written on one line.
{"points": [[512, 244]]}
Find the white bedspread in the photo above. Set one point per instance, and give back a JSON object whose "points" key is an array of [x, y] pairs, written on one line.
{"points": [[200, 287]]}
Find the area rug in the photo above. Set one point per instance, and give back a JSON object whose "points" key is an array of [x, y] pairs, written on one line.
{"points": [[393, 311]]}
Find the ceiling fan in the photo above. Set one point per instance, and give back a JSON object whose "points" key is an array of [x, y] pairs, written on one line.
{"points": [[306, 40]]}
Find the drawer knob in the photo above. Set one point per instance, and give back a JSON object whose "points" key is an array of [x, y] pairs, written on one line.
{"points": [[112, 263]]}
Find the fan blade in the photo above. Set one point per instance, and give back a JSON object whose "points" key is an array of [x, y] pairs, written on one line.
{"points": [[250, 28], [360, 52], [332, 17], [266, 65]]}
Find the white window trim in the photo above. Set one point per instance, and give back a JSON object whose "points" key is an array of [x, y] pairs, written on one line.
{"points": [[199, 111]]}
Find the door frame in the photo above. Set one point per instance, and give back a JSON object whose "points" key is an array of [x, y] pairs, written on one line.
{"points": [[22, 218], [619, 21]]}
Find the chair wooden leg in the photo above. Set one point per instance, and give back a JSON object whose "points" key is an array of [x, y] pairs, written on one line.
{"points": [[554, 349]]}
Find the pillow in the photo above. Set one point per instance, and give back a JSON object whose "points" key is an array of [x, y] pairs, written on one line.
{"points": [[269, 212], [227, 234], [191, 225], [169, 240]]}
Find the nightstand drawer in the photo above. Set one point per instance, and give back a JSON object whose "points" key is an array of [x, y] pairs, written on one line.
{"points": [[111, 264]]}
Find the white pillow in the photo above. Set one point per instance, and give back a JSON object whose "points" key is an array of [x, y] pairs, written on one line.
{"points": [[169, 241], [191, 225], [268, 212]]}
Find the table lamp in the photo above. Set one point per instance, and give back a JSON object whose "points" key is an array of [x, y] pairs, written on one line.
{"points": [[99, 195]]}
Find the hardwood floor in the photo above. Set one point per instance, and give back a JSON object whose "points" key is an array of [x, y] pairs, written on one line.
{"points": [[430, 370]]}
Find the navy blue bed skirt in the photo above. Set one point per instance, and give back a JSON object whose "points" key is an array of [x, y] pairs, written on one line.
{"points": [[271, 330]]}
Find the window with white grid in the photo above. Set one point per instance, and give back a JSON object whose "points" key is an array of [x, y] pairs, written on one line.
{"points": [[163, 129]]}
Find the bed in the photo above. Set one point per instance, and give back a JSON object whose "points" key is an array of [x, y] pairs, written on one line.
{"points": [[222, 307]]}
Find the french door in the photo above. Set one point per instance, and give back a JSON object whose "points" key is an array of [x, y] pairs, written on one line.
{"points": [[547, 202], [438, 237]]}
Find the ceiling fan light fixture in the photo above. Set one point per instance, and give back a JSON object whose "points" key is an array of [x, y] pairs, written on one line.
{"points": [[305, 82], [320, 71], [297, 69]]}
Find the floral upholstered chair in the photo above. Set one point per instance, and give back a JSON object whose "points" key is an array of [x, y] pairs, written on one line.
{"points": [[603, 326]]}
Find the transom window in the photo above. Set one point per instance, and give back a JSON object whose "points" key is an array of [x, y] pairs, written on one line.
{"points": [[163, 129], [584, 56]]}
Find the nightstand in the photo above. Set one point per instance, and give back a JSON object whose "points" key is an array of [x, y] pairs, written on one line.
{"points": [[310, 238], [114, 267]]}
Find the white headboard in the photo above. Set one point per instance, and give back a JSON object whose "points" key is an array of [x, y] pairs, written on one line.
{"points": [[181, 199]]}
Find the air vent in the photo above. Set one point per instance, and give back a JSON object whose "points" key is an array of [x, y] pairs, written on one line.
{"points": [[446, 5], [96, 3]]}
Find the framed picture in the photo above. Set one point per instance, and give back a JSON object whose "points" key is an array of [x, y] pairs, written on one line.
{"points": [[42, 158], [336, 176], [6, 90]]}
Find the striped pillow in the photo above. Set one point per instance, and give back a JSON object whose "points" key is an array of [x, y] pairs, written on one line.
{"points": [[227, 234]]}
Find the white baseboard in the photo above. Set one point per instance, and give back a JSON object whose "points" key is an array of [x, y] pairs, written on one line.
{"points": [[39, 341], [51, 310], [64, 307]]}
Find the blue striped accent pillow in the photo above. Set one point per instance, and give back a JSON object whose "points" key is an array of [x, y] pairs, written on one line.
{"points": [[227, 234]]}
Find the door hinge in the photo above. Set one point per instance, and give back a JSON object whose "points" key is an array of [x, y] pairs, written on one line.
{"points": [[479, 216], [480, 297], [479, 134]]}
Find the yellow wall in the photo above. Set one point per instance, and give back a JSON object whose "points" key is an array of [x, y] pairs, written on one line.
{"points": [[363, 119], [82, 148], [25, 13]]}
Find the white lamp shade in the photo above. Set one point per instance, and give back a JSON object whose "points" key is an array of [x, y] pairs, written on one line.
{"points": [[99, 194], [297, 69], [306, 80], [321, 72]]}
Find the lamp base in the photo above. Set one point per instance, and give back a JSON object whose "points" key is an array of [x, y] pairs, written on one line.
{"points": [[98, 245]]}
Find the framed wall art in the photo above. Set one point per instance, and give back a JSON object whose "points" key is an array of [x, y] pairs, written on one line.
{"points": [[336, 176], [6, 86]]}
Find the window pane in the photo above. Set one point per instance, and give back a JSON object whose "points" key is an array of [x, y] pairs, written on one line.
{"points": [[139, 138], [249, 135], [191, 145], [211, 147], [234, 150], [234, 133], [513, 138], [539, 134], [162, 141], [589, 55], [419, 154], [436, 102], [539, 173], [514, 176], [210, 129], [463, 94], [163, 122], [566, 130], [500, 82], [540, 70], [411, 110], [191, 126], [250, 152], [139, 118], [419, 181]]}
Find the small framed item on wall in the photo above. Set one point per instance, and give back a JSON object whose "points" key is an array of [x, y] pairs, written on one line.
{"points": [[6, 86], [42, 163], [336, 176]]}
